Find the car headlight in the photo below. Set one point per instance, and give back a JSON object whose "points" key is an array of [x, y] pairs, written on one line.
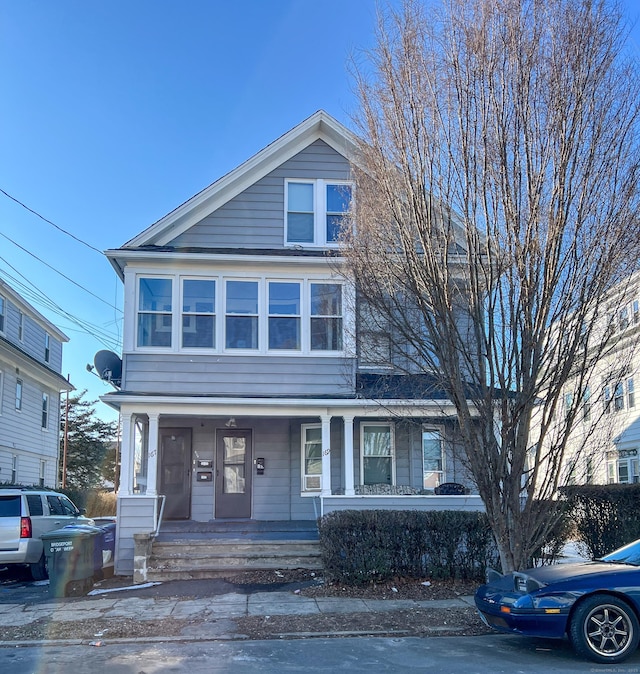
{"points": [[524, 583]]}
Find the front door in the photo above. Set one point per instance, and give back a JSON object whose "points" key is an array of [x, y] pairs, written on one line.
{"points": [[233, 473], [175, 472]]}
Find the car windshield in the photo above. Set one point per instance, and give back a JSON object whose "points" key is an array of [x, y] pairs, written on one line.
{"points": [[628, 554]]}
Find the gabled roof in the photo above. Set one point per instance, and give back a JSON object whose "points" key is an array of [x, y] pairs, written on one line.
{"points": [[320, 126]]}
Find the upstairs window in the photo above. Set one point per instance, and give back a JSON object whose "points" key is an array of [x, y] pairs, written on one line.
{"points": [[631, 394], [20, 326], [47, 347], [316, 211], [18, 394], [155, 306], [198, 314], [326, 317], [618, 397], [241, 320], [2, 313], [284, 316], [586, 404], [45, 411]]}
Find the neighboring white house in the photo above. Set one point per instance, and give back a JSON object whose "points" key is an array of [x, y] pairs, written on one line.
{"points": [[605, 441], [30, 386], [249, 388]]}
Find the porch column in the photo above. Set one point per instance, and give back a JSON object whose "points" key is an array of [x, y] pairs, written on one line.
{"points": [[325, 420], [126, 456], [348, 457], [152, 466]]}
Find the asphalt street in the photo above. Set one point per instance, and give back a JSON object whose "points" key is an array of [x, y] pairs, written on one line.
{"points": [[465, 655]]}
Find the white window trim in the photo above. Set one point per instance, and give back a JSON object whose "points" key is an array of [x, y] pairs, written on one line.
{"points": [[319, 211], [20, 326], [392, 427], [303, 433], [14, 468], [220, 314], [1, 391], [3, 314], [47, 347]]}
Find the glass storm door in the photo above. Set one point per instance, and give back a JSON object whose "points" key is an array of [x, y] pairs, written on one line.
{"points": [[175, 472], [233, 474]]}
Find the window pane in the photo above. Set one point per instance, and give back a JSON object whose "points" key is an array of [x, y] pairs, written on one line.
{"points": [[377, 441], [335, 223], [623, 472], [326, 299], [300, 227], [155, 294], [242, 297], [284, 299], [284, 333], [242, 332], [338, 198], [377, 470], [326, 334], [198, 296], [300, 197], [154, 330], [198, 331]]}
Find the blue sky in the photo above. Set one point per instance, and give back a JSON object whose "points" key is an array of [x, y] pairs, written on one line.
{"points": [[113, 113]]}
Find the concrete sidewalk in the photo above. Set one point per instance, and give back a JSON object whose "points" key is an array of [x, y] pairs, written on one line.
{"points": [[231, 605]]}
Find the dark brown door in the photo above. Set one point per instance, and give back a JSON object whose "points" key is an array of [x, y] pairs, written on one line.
{"points": [[175, 472], [233, 473]]}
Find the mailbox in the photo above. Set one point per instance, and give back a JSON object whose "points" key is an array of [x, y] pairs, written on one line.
{"points": [[260, 466]]}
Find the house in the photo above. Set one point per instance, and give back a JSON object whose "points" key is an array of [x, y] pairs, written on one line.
{"points": [[30, 386], [604, 446], [249, 388]]}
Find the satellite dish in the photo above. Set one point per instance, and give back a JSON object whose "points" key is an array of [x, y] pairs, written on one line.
{"points": [[109, 367]]}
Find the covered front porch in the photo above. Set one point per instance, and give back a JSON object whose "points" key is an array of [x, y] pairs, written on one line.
{"points": [[207, 461]]}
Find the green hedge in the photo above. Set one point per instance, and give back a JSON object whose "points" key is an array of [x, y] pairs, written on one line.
{"points": [[606, 516], [363, 546]]}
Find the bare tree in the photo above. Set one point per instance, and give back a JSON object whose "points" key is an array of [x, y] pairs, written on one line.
{"points": [[497, 197]]}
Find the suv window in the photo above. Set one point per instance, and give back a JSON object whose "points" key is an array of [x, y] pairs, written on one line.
{"points": [[10, 506], [61, 505], [35, 505]]}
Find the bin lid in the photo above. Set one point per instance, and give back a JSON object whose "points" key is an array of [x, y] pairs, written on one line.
{"points": [[72, 531]]}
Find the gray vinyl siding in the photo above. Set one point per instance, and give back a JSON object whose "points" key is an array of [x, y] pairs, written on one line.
{"points": [[135, 515], [21, 431], [176, 374], [33, 340], [255, 218]]}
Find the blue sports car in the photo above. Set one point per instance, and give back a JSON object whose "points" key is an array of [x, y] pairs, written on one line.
{"points": [[597, 604]]}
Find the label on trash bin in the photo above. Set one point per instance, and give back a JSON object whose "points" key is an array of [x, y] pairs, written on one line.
{"points": [[61, 546]]}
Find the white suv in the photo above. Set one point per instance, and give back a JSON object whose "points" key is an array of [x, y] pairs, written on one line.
{"points": [[26, 514]]}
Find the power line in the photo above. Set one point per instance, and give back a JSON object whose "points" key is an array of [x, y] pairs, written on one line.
{"points": [[53, 224], [46, 264]]}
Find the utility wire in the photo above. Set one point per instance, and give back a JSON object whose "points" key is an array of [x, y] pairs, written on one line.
{"points": [[46, 264], [53, 224]]}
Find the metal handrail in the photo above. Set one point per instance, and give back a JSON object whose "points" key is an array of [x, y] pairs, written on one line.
{"points": [[157, 517]]}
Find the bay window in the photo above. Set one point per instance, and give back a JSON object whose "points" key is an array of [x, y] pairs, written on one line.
{"points": [[241, 322], [155, 304], [326, 317], [198, 313], [284, 315]]}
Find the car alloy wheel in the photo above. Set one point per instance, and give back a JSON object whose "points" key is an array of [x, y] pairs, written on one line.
{"points": [[604, 629]]}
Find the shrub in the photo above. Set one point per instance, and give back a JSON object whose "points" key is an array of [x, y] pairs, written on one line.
{"points": [[362, 546], [606, 516], [96, 502]]}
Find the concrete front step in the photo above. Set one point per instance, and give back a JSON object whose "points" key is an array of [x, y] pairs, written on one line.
{"points": [[187, 558]]}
